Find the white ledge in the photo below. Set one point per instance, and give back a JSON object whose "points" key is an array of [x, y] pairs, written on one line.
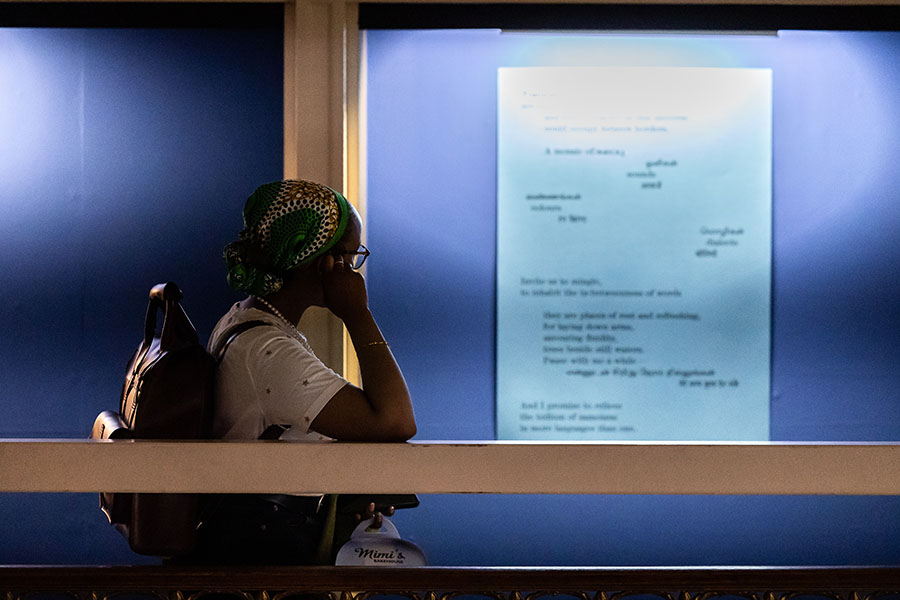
{"points": [[645, 2], [450, 467]]}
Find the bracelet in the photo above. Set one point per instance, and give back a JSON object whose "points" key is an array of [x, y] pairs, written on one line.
{"points": [[378, 343]]}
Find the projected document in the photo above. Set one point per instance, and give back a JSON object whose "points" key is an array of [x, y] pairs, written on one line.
{"points": [[634, 253]]}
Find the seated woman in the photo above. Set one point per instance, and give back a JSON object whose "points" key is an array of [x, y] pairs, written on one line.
{"points": [[300, 247]]}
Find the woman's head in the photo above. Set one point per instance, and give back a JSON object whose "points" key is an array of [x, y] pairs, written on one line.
{"points": [[287, 226]]}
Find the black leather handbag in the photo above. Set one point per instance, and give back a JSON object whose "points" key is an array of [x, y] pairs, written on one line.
{"points": [[167, 394]]}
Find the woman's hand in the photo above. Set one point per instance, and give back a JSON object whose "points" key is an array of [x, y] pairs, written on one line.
{"points": [[380, 411], [344, 289], [377, 517]]}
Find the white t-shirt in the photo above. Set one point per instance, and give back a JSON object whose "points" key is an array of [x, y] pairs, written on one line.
{"points": [[268, 376]]}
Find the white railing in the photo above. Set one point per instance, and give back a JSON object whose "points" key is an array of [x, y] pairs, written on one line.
{"points": [[450, 467]]}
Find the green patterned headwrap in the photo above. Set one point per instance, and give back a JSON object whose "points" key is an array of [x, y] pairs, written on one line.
{"points": [[287, 224]]}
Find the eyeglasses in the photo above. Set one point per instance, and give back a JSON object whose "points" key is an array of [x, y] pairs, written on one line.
{"points": [[353, 259]]}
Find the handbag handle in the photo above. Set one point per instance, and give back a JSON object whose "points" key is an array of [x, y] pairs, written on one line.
{"points": [[177, 327], [166, 292]]}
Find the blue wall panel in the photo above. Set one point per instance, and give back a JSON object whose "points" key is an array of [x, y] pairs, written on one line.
{"points": [[836, 296], [125, 159]]}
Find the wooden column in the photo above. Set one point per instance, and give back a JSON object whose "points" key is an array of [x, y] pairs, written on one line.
{"points": [[321, 67]]}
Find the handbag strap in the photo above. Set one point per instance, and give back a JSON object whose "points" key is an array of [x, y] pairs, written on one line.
{"points": [[232, 334], [272, 432]]}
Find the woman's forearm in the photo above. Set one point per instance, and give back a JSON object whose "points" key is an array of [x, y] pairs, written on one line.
{"points": [[382, 381]]}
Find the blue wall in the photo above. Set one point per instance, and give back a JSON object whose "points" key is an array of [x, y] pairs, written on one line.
{"points": [[836, 295], [125, 158]]}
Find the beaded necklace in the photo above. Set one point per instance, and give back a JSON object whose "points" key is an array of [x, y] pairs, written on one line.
{"points": [[292, 327]]}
